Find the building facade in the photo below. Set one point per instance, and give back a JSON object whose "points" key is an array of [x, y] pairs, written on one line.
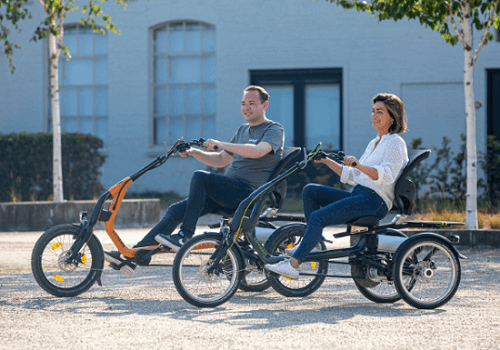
{"points": [[178, 69]]}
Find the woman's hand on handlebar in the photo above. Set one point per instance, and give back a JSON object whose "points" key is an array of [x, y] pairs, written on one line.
{"points": [[321, 160], [351, 161]]}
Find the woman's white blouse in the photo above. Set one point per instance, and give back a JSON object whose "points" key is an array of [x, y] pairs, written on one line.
{"points": [[389, 158]]}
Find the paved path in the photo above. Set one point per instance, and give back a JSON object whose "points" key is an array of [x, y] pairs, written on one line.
{"points": [[145, 312]]}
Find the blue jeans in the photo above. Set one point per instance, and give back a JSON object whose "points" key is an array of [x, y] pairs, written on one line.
{"points": [[208, 193], [325, 206]]}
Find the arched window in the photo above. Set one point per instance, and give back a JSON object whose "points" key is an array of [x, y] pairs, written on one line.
{"points": [[183, 85], [83, 82]]}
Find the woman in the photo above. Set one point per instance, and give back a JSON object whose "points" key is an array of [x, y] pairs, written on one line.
{"points": [[374, 175]]}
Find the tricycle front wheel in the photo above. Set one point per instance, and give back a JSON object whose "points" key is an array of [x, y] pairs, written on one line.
{"points": [[201, 282], [53, 270]]}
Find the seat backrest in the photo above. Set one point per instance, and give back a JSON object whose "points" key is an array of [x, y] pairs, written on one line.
{"points": [[277, 196], [405, 191]]}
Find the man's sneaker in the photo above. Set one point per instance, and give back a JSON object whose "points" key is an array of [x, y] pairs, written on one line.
{"points": [[292, 251], [284, 268], [173, 241], [144, 244], [119, 262]]}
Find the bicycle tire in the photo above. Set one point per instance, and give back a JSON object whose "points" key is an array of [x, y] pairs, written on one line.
{"points": [[192, 281], [54, 274], [254, 282], [305, 285]]}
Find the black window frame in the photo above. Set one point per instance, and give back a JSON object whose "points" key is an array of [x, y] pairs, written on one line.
{"points": [[489, 102], [299, 78]]}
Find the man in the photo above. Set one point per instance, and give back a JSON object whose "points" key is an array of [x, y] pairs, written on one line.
{"points": [[251, 155]]}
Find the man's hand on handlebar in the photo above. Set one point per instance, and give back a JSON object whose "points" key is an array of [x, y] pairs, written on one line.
{"points": [[212, 145]]}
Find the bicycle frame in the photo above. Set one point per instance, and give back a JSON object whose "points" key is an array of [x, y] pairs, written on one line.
{"points": [[385, 264], [117, 193], [369, 237]]}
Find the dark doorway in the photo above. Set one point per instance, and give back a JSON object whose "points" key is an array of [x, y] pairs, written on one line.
{"points": [[494, 102]]}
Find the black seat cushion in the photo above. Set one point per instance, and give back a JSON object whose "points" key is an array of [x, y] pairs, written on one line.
{"points": [[365, 221]]}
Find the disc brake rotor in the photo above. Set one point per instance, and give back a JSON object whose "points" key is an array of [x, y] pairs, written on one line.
{"points": [[205, 276], [64, 264]]}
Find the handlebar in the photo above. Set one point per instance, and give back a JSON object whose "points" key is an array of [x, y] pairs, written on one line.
{"points": [[182, 146], [338, 157]]}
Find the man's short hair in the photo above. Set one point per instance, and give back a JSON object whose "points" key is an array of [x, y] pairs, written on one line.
{"points": [[263, 95]]}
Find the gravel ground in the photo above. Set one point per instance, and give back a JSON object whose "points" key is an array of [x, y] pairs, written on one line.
{"points": [[145, 311]]}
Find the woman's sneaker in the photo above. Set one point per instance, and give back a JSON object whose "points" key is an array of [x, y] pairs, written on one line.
{"points": [[173, 241], [119, 262], [284, 268]]}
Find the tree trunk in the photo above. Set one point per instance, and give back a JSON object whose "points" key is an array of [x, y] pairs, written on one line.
{"points": [[470, 115], [56, 120]]}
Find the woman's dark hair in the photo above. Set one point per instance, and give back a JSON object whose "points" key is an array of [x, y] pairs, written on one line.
{"points": [[396, 111]]}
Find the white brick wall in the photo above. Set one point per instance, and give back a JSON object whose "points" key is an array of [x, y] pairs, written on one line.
{"points": [[402, 58]]}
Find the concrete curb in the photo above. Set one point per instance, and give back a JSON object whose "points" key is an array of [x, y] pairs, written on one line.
{"points": [[40, 216]]}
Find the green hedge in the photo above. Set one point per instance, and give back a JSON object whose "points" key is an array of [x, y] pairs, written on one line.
{"points": [[26, 166]]}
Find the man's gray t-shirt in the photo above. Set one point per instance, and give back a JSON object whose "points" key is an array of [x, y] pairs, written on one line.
{"points": [[256, 171]]}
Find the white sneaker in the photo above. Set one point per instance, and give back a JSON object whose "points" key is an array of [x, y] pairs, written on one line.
{"points": [[284, 268], [292, 251]]}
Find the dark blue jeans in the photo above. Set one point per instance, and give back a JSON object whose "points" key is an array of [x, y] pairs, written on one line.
{"points": [[325, 206], [208, 193]]}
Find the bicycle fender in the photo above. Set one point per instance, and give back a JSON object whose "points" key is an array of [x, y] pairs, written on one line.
{"points": [[445, 240]]}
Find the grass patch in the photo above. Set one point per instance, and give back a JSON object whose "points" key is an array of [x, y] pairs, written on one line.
{"points": [[293, 204], [484, 220]]}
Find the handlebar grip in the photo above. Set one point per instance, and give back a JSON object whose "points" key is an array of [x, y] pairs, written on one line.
{"points": [[216, 148], [354, 164]]}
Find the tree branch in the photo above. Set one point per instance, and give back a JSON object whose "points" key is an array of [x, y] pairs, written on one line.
{"points": [[486, 32], [452, 20], [44, 5]]}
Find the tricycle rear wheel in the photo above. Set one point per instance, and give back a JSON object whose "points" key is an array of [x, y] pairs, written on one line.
{"points": [[433, 267]]}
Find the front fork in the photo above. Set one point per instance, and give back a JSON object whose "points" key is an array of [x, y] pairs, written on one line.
{"points": [[82, 239], [221, 251]]}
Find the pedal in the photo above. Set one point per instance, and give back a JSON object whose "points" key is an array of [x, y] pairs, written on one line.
{"points": [[114, 266]]}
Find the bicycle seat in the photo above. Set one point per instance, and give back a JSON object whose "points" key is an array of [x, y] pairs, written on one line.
{"points": [[365, 221], [404, 194], [277, 196], [405, 191]]}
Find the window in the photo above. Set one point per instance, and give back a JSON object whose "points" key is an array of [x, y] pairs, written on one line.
{"points": [[307, 102], [184, 75], [83, 83]]}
